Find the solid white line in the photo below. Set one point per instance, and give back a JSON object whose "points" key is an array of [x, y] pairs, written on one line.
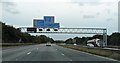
{"points": [[28, 53], [99, 56]]}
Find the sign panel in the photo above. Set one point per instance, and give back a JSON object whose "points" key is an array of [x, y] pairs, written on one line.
{"points": [[56, 25], [52, 25], [31, 30], [47, 22], [38, 23], [49, 19]]}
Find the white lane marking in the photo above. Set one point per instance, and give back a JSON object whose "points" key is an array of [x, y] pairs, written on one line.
{"points": [[68, 58], [100, 56], [62, 54], [37, 48], [56, 49], [28, 53], [96, 55]]}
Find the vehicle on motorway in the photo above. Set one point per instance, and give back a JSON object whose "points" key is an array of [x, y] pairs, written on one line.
{"points": [[94, 43], [48, 44], [74, 44], [90, 45]]}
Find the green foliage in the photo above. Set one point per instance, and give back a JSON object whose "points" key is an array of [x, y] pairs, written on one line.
{"points": [[43, 39], [113, 39], [13, 35], [69, 41], [59, 41], [9, 33]]}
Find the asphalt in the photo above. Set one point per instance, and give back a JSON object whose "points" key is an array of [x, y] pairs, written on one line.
{"points": [[42, 52]]}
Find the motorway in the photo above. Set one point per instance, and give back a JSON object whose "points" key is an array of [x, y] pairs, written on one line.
{"points": [[42, 52]]}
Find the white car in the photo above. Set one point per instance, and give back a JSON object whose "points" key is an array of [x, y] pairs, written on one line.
{"points": [[48, 44], [75, 44], [90, 45]]}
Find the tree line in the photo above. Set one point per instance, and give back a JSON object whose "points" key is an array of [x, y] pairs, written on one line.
{"points": [[113, 39], [14, 35], [11, 34]]}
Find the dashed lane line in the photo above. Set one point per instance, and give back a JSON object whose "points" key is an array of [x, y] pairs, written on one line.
{"points": [[28, 53]]}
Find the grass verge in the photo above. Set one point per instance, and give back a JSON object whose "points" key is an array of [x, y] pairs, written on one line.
{"points": [[96, 51]]}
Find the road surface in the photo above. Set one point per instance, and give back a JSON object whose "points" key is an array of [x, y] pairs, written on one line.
{"points": [[42, 52]]}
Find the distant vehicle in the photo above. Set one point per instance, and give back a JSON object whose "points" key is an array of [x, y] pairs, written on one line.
{"points": [[94, 43], [48, 44], [75, 44], [90, 45]]}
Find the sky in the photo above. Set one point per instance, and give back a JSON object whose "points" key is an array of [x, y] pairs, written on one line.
{"points": [[69, 13]]}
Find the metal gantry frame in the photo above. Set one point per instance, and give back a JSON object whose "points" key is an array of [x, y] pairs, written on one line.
{"points": [[98, 31]]}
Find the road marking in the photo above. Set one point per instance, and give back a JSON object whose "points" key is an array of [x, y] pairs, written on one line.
{"points": [[37, 48], [99, 56], [68, 58], [56, 49], [28, 53], [62, 54]]}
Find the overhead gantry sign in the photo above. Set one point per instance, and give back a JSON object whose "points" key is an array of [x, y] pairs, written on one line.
{"points": [[39, 26]]}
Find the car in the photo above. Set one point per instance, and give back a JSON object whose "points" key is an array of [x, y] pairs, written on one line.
{"points": [[48, 44], [74, 44], [90, 45]]}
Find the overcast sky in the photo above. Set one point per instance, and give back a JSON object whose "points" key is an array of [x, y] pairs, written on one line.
{"points": [[69, 13]]}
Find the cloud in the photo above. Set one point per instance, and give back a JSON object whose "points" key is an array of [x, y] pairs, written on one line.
{"points": [[88, 16], [10, 7], [84, 2], [90, 2], [109, 19]]}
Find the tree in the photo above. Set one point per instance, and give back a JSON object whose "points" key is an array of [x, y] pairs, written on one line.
{"points": [[69, 41], [13, 35], [115, 39]]}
